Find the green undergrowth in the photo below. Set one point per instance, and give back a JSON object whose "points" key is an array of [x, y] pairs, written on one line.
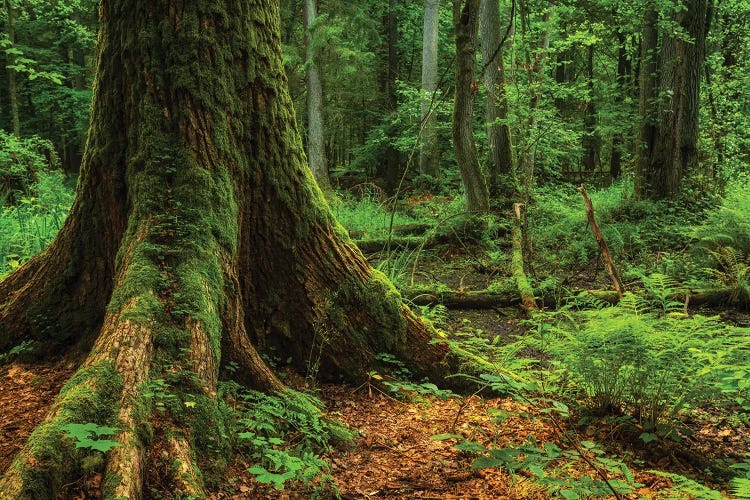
{"points": [[369, 215], [30, 224], [284, 436]]}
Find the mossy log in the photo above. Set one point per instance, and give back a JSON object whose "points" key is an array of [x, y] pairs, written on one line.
{"points": [[488, 299], [403, 230], [198, 237]]}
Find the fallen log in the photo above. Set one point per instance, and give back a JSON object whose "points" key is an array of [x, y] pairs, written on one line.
{"points": [[403, 230], [485, 299]]}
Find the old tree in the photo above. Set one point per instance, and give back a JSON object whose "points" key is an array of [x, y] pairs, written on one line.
{"points": [[198, 237]]}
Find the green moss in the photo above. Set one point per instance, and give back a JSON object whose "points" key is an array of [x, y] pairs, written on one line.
{"points": [[370, 310], [91, 395]]}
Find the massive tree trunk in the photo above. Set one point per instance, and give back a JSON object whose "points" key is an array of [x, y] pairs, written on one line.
{"points": [[429, 153], [668, 148], [466, 23], [500, 156], [316, 151], [197, 234], [12, 87]]}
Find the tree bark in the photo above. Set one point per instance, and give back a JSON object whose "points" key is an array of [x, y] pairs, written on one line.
{"points": [[12, 87], [197, 237], [591, 142], [669, 146], [316, 151], [389, 167], [466, 23], [429, 153], [615, 163], [500, 155]]}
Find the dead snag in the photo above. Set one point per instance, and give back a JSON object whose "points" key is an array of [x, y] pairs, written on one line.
{"points": [[528, 301], [606, 256]]}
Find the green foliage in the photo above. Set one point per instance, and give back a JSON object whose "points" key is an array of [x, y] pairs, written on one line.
{"points": [[91, 436], [729, 225], [741, 484], [626, 359], [399, 380], [732, 270], [29, 226], [369, 215], [551, 466], [24, 347], [284, 435], [688, 488], [21, 161]]}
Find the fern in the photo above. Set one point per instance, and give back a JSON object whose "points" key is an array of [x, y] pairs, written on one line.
{"points": [[661, 291], [733, 270]]}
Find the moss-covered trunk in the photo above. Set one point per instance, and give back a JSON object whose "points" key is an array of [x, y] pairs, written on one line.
{"points": [[198, 234]]}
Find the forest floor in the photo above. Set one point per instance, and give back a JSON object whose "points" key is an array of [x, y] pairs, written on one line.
{"points": [[396, 455]]}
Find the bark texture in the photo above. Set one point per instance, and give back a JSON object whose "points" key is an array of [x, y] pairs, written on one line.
{"points": [[429, 153], [198, 235], [669, 136], [316, 151], [500, 155], [466, 25]]}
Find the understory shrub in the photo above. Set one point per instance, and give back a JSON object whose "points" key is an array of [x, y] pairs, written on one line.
{"points": [[626, 359]]}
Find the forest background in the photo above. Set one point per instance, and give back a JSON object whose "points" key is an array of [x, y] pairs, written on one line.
{"points": [[425, 122]]}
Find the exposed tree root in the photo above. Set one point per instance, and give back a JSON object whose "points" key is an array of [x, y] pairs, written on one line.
{"points": [[103, 389], [184, 472]]}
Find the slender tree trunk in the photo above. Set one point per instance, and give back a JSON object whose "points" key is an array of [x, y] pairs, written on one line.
{"points": [[591, 142], [429, 153], [12, 87], [536, 78], [615, 163], [500, 155], [466, 23], [647, 100], [389, 168], [197, 234], [316, 151]]}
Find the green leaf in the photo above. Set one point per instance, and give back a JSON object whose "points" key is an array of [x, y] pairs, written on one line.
{"points": [[647, 437]]}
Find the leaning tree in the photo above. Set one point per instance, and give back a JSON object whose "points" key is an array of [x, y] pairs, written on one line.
{"points": [[198, 237]]}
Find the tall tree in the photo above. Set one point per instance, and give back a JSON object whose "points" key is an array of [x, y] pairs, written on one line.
{"points": [[590, 141], [390, 165], [429, 153], [11, 58], [669, 132], [316, 152], [466, 24], [197, 233], [535, 68], [500, 155]]}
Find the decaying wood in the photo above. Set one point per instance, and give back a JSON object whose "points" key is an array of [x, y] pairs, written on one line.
{"points": [[606, 255], [404, 230], [528, 301], [485, 299]]}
